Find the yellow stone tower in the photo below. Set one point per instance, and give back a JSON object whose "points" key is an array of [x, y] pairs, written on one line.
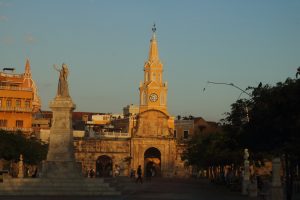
{"points": [[153, 91], [153, 144]]}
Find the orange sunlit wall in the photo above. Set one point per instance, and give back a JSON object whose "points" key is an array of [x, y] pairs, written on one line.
{"points": [[17, 100]]}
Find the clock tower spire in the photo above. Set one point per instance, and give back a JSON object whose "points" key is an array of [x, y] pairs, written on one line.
{"points": [[153, 91]]}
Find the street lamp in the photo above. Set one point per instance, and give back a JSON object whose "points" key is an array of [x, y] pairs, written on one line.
{"points": [[231, 84], [298, 72], [242, 91]]}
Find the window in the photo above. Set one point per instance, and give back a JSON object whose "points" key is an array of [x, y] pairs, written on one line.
{"points": [[19, 123], [185, 134], [3, 122], [27, 104], [8, 103], [18, 103], [175, 133]]}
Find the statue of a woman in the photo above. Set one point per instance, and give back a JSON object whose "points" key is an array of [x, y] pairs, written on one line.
{"points": [[62, 89]]}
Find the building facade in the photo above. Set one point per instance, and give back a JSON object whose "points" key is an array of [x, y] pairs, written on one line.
{"points": [[19, 100]]}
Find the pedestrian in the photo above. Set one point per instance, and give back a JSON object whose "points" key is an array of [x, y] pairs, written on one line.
{"points": [[132, 174], [35, 174], [152, 171], [139, 173], [117, 170], [92, 173]]}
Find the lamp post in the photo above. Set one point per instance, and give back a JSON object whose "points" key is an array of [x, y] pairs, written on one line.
{"points": [[242, 91], [230, 84], [246, 174]]}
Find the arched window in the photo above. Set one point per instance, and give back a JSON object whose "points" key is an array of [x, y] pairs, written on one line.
{"points": [[153, 76]]}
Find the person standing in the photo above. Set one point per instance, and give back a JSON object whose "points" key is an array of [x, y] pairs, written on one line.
{"points": [[117, 170], [132, 173], [139, 173]]}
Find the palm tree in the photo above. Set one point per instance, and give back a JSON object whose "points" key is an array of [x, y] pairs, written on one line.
{"points": [[298, 72]]}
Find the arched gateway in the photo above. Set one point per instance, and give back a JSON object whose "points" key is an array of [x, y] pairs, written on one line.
{"points": [[152, 162], [104, 166]]}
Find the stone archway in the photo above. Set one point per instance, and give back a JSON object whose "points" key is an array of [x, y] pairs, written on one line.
{"points": [[152, 160], [104, 166]]}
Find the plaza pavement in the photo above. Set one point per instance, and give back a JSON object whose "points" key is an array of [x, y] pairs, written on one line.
{"points": [[157, 189]]}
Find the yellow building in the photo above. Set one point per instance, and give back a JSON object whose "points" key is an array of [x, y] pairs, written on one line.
{"points": [[153, 143], [18, 100]]}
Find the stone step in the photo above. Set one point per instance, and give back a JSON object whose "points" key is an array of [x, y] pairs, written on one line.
{"points": [[89, 187], [70, 192], [61, 193], [25, 180], [58, 184], [57, 188]]}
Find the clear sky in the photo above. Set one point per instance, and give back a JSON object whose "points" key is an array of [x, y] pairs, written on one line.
{"points": [[106, 42]]}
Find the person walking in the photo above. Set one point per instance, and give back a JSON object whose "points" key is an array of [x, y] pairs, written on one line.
{"points": [[139, 173], [132, 174], [117, 170]]}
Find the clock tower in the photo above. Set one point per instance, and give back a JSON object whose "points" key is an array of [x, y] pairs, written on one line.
{"points": [[153, 91]]}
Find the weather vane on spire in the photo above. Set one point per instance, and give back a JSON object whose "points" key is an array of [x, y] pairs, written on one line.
{"points": [[153, 28]]}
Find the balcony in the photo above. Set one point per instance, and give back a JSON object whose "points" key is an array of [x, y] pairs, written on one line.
{"points": [[14, 109], [114, 135], [16, 129], [15, 88]]}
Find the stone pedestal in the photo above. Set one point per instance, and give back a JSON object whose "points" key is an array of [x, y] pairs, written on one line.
{"points": [[60, 161], [276, 192], [246, 178]]}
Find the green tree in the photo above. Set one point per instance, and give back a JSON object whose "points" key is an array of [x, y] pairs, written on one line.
{"points": [[14, 144], [275, 123]]}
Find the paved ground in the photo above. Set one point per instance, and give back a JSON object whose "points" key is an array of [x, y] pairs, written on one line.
{"points": [[158, 189]]}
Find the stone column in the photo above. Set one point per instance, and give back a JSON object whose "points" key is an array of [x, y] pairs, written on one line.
{"points": [[276, 192], [246, 175]]}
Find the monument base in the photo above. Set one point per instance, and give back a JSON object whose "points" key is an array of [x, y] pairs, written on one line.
{"points": [[61, 169]]}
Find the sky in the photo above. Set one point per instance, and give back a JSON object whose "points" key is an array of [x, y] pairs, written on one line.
{"points": [[106, 42]]}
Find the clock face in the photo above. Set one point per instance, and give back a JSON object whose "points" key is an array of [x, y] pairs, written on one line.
{"points": [[153, 97]]}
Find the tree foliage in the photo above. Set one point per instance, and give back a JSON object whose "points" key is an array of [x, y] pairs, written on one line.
{"points": [[267, 123], [14, 144], [212, 150], [275, 119]]}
